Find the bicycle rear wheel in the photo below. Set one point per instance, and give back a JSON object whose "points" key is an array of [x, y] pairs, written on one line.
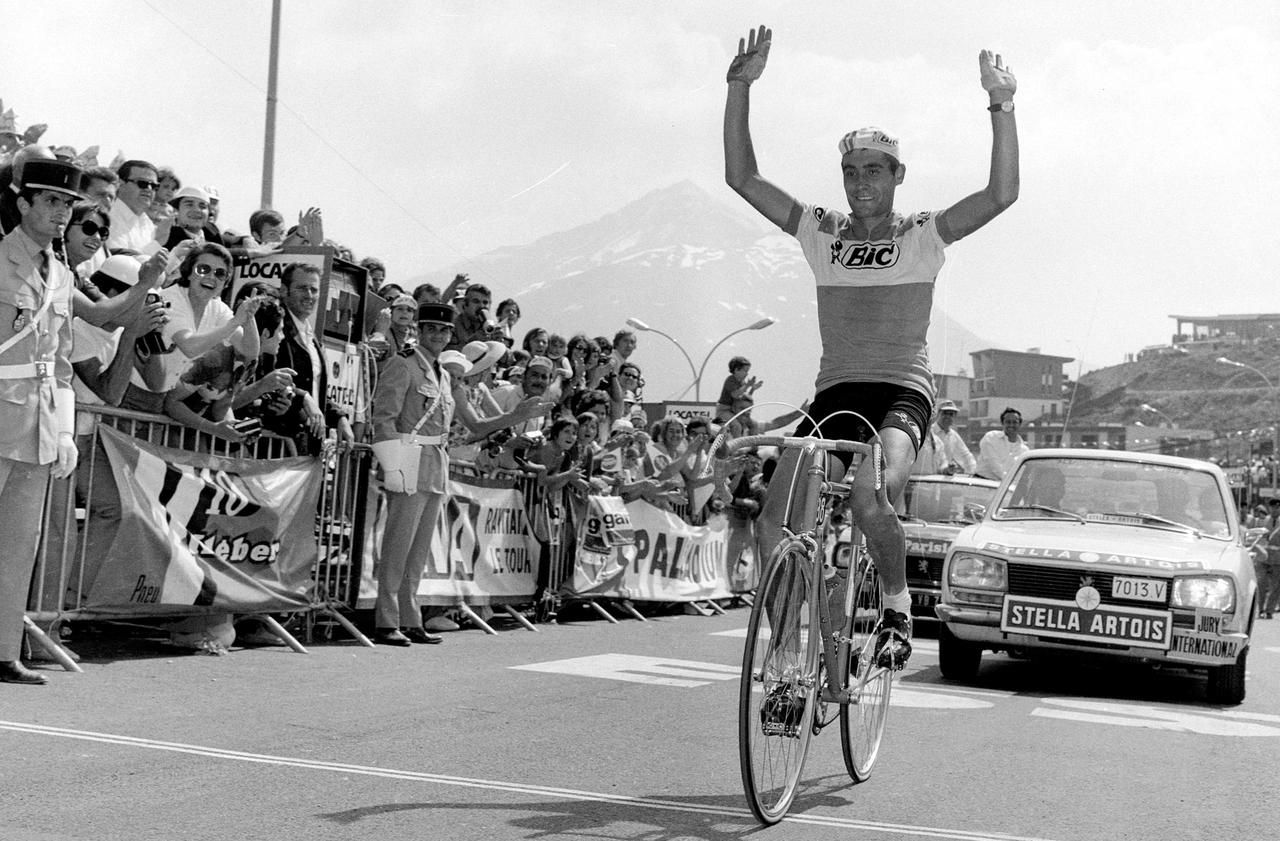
{"points": [[777, 697], [862, 720]]}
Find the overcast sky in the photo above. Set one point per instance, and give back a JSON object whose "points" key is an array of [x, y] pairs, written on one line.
{"points": [[433, 131]]}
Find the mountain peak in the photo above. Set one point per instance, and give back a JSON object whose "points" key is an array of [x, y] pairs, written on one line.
{"points": [[697, 267]]}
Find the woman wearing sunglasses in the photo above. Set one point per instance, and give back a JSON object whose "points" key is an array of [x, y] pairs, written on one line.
{"points": [[84, 241], [198, 319]]}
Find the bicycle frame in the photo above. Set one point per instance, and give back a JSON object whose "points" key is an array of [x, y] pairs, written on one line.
{"points": [[823, 497]]}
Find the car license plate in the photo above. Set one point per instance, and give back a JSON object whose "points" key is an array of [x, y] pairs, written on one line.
{"points": [[924, 599], [1131, 626], [1140, 589]]}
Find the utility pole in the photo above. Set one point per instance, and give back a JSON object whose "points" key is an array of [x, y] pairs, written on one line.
{"points": [[269, 142]]}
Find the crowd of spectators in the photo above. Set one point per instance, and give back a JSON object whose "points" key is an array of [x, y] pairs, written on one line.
{"points": [[157, 331]]}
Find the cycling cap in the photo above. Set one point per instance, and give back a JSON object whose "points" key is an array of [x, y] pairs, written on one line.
{"points": [[871, 138]]}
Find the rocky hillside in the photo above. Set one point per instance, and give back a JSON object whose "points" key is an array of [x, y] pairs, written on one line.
{"points": [[1194, 390]]}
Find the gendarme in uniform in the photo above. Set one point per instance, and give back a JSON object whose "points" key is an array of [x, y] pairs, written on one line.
{"points": [[413, 403], [37, 403]]}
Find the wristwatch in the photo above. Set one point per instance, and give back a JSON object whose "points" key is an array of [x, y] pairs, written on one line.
{"points": [[1006, 106]]}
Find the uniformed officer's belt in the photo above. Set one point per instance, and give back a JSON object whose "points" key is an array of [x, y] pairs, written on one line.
{"points": [[28, 370], [425, 440]]}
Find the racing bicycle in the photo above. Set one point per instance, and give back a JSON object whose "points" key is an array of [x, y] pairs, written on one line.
{"points": [[808, 662]]}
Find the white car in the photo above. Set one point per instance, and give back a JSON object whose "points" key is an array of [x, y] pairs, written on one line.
{"points": [[934, 510], [1105, 553]]}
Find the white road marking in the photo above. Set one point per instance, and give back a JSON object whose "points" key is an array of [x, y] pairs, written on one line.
{"points": [[934, 700], [739, 815], [1156, 718], [633, 668]]}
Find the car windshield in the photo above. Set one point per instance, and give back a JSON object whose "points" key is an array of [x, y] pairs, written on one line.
{"points": [[1159, 496], [945, 502]]}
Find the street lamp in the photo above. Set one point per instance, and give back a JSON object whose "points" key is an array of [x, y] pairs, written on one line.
{"points": [[696, 385], [640, 325], [697, 381], [1275, 409]]}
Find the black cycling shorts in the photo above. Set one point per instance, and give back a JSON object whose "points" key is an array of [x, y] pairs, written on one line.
{"points": [[884, 405]]}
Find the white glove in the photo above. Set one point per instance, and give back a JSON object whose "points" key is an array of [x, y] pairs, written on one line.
{"points": [[387, 453]]}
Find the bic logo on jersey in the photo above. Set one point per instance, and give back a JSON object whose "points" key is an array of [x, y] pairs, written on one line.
{"points": [[865, 255]]}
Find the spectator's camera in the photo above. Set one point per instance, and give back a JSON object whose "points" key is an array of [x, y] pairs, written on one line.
{"points": [[248, 427], [268, 316], [153, 342], [496, 441]]}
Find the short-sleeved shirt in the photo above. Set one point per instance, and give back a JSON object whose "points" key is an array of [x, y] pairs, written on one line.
{"points": [[874, 297], [181, 317], [91, 343]]}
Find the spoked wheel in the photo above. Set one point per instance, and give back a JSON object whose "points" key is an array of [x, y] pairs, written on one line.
{"points": [[862, 720], [777, 698]]}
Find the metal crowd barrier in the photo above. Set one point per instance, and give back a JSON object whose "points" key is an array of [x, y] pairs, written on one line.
{"points": [[81, 513]]}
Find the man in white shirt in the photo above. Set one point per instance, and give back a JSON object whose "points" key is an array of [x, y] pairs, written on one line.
{"points": [[537, 377], [131, 227], [1000, 448], [943, 450]]}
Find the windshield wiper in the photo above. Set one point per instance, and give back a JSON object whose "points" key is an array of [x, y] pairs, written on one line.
{"points": [[1048, 508], [1156, 518]]}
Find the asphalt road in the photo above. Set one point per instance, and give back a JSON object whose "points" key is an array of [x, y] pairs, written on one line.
{"points": [[587, 730]]}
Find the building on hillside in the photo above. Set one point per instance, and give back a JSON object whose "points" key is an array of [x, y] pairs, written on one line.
{"points": [[1028, 381], [1223, 330]]}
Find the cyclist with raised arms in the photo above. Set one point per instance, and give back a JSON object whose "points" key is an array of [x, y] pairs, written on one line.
{"points": [[875, 270]]}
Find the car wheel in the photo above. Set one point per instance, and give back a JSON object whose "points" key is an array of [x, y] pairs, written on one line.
{"points": [[958, 660], [1226, 683]]}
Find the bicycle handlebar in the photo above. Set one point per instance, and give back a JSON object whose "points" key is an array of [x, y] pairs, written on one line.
{"points": [[781, 441]]}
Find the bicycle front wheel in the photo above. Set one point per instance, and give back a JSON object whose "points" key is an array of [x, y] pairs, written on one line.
{"points": [[777, 698], [862, 720]]}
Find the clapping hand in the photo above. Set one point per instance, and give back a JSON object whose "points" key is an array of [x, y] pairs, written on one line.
{"points": [[753, 53], [996, 77]]}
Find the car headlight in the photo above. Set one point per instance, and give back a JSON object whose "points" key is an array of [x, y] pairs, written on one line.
{"points": [[977, 571], [1212, 592]]}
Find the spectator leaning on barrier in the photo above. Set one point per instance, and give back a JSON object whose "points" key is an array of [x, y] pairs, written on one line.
{"points": [[37, 416], [536, 378], [310, 415], [104, 359], [476, 414], [412, 411], [198, 322], [272, 391]]}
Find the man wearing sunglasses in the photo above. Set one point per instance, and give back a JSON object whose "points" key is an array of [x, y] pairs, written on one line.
{"points": [[131, 227]]}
